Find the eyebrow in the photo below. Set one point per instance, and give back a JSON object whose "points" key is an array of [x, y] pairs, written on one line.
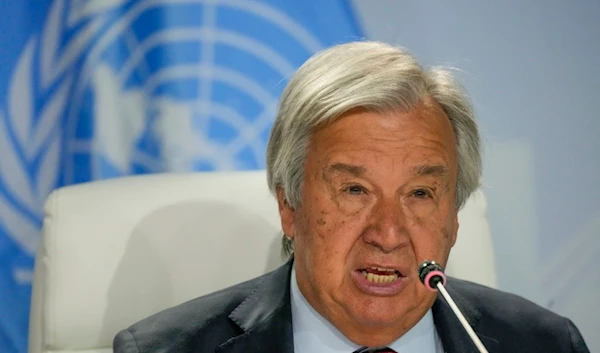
{"points": [[354, 170], [435, 170], [422, 170]]}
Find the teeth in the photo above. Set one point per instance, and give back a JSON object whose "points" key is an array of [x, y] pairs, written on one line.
{"points": [[382, 269], [371, 277]]}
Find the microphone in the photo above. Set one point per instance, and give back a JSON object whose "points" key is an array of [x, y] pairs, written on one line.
{"points": [[432, 276]]}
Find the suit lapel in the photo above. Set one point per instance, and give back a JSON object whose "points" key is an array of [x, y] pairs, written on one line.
{"points": [[265, 316], [453, 336]]}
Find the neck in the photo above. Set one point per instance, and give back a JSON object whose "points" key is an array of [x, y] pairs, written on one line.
{"points": [[379, 335]]}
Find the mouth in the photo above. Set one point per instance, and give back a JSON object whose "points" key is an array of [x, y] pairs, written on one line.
{"points": [[380, 274], [380, 280]]}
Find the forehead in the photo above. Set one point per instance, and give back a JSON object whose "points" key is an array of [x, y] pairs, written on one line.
{"points": [[421, 136]]}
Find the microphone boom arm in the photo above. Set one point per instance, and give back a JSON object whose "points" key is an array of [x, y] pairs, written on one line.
{"points": [[432, 276], [462, 319]]}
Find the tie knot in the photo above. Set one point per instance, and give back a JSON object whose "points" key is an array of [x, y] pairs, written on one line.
{"points": [[376, 350]]}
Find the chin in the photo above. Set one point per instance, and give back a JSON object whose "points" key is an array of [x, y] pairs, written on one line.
{"points": [[379, 313]]}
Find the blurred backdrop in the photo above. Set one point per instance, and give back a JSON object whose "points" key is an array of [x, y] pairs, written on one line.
{"points": [[93, 89]]}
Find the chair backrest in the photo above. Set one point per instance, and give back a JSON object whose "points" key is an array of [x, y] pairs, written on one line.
{"points": [[113, 252]]}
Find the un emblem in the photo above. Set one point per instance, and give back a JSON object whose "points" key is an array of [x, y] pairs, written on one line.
{"points": [[182, 85], [121, 87], [109, 88]]}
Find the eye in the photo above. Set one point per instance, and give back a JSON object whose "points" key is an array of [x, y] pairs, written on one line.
{"points": [[354, 189], [421, 193]]}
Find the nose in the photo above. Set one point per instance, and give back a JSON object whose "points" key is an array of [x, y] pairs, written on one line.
{"points": [[388, 226]]}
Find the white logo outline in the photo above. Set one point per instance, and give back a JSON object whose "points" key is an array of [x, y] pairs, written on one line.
{"points": [[30, 134]]}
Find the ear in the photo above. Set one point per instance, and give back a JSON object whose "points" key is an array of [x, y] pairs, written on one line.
{"points": [[454, 234], [286, 214]]}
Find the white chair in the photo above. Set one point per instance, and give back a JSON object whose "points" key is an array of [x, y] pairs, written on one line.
{"points": [[113, 252]]}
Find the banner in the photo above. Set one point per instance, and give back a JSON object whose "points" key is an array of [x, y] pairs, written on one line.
{"points": [[104, 88]]}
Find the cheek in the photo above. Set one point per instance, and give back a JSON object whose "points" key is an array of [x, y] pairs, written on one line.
{"points": [[432, 233], [332, 233], [327, 236]]}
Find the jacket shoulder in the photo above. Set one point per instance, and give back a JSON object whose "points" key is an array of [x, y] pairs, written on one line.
{"points": [[512, 318], [496, 302], [201, 322]]}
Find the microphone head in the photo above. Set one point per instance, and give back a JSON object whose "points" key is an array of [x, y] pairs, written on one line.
{"points": [[430, 274]]}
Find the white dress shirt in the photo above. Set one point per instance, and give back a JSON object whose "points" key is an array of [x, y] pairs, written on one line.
{"points": [[312, 333]]}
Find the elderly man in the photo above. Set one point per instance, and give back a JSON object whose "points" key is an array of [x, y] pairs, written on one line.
{"points": [[370, 159]]}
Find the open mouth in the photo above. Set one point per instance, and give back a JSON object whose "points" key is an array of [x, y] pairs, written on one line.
{"points": [[380, 275]]}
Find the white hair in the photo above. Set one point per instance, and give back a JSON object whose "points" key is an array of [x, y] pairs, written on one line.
{"points": [[371, 76]]}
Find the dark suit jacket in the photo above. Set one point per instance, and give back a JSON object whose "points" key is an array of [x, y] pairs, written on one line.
{"points": [[255, 316]]}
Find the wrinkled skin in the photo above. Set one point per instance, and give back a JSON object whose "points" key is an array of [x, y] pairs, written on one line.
{"points": [[378, 189]]}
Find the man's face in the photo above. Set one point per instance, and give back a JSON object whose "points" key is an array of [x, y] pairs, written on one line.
{"points": [[378, 199]]}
